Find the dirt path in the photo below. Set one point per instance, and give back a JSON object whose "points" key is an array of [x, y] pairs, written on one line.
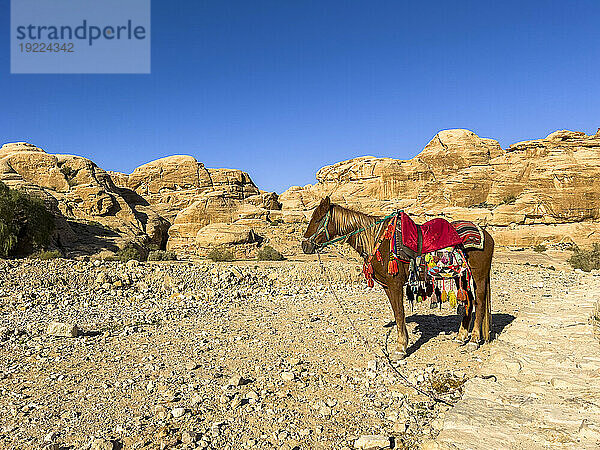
{"points": [[547, 391]]}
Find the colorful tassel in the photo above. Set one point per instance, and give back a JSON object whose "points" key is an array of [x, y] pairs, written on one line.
{"points": [[378, 255], [434, 300], [393, 266], [452, 299], [368, 273]]}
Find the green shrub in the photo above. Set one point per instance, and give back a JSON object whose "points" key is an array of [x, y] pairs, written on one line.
{"points": [[25, 223], [268, 253], [161, 255], [128, 253], [509, 199], [540, 248], [45, 255], [276, 222], [586, 260], [220, 254]]}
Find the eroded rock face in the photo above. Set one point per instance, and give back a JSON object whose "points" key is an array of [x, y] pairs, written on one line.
{"points": [[217, 234], [544, 190], [98, 210], [92, 215], [191, 196]]}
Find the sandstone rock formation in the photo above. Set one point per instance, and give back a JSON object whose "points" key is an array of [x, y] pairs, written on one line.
{"points": [[544, 190], [191, 196], [539, 191], [92, 215], [98, 210]]}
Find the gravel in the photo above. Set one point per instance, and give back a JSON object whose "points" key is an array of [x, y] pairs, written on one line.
{"points": [[208, 355]]}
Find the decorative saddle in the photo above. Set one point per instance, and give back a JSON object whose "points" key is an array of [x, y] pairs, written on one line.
{"points": [[414, 240], [438, 267]]}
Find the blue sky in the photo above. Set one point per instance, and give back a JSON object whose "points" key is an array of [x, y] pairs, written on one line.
{"points": [[282, 88]]}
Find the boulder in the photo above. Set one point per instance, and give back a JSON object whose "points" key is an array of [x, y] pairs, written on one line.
{"points": [[220, 234]]}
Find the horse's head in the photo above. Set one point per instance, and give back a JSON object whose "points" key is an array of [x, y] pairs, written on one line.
{"points": [[320, 229]]}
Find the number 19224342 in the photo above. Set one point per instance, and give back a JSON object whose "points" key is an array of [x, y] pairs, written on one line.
{"points": [[50, 47]]}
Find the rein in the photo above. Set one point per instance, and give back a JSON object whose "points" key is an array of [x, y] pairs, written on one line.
{"points": [[384, 350]]}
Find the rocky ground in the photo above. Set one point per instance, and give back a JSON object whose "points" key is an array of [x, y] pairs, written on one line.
{"points": [[230, 355]]}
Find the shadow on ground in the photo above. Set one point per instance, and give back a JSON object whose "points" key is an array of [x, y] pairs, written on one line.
{"points": [[431, 325]]}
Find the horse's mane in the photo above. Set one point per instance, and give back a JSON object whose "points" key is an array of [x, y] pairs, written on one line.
{"points": [[346, 221]]}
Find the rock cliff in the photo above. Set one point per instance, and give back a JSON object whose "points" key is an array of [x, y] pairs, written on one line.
{"points": [[92, 214], [538, 191], [164, 202], [191, 196], [544, 190]]}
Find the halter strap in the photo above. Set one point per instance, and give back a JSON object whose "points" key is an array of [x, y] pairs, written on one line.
{"points": [[323, 224]]}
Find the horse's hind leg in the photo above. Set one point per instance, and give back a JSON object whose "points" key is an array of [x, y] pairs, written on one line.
{"points": [[481, 289], [463, 331]]}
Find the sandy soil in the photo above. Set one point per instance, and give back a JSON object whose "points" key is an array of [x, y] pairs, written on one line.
{"points": [[162, 347]]}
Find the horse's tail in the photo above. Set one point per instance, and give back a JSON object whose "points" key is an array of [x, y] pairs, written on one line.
{"points": [[486, 325]]}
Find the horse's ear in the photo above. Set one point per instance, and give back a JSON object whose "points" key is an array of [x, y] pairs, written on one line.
{"points": [[323, 207]]}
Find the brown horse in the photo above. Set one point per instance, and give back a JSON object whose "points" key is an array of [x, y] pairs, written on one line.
{"points": [[330, 220]]}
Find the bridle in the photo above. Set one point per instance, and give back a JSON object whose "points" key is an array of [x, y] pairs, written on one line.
{"points": [[324, 223], [322, 227]]}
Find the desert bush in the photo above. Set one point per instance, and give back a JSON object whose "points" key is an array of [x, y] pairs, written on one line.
{"points": [[540, 248], [25, 223], [268, 253], [220, 254], [128, 253], [276, 222], [162, 255], [586, 260], [45, 255]]}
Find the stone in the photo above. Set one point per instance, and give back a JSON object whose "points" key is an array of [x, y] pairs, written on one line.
{"points": [[236, 380], [219, 234], [288, 376], [51, 437], [102, 444], [252, 397], [178, 412], [191, 365], [187, 437], [62, 329], [236, 402], [372, 442]]}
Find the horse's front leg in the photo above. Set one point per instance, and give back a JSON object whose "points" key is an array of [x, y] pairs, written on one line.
{"points": [[395, 293]]}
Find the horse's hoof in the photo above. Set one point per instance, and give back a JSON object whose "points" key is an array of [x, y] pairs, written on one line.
{"points": [[459, 340], [398, 356], [472, 346]]}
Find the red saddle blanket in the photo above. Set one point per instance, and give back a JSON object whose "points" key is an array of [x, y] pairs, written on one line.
{"points": [[437, 234]]}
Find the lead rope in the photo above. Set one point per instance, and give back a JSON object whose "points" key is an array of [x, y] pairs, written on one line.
{"points": [[368, 345]]}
